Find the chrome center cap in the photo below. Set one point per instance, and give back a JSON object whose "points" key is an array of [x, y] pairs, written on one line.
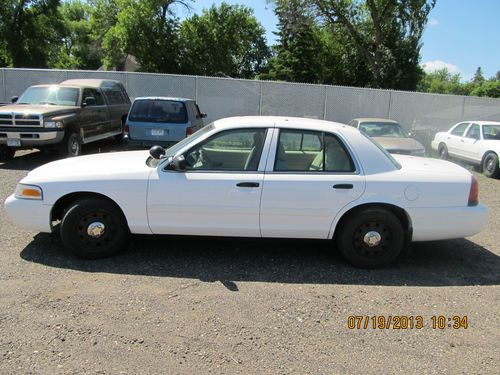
{"points": [[372, 238], [96, 229]]}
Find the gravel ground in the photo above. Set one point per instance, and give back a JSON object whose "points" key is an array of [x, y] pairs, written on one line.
{"points": [[187, 306]]}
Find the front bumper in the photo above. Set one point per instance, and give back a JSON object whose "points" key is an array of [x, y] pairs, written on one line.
{"points": [[30, 137], [29, 214], [442, 223]]}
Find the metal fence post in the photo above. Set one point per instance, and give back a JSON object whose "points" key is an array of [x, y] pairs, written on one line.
{"points": [[326, 101], [389, 108], [260, 99], [463, 109], [196, 89], [4, 85]]}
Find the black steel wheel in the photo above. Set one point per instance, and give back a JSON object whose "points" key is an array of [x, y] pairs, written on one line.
{"points": [[71, 145], [6, 153], [371, 238], [94, 228], [490, 166], [443, 151]]}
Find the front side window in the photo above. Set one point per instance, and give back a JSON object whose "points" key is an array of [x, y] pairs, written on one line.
{"points": [[310, 151], [473, 132], [459, 129], [93, 93], [231, 150]]}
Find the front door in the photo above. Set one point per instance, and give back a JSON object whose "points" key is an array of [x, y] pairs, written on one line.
{"points": [[471, 143], [218, 194], [311, 178]]}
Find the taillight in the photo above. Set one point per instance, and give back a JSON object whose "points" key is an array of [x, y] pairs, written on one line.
{"points": [[474, 192], [189, 131], [125, 129]]}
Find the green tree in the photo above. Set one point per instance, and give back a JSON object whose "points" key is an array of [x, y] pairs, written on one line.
{"points": [[301, 51], [489, 88], [225, 40], [386, 33], [443, 82], [30, 31], [478, 78], [78, 50]]}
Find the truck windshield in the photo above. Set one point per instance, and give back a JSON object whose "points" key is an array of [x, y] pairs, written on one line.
{"points": [[166, 111], [52, 95]]}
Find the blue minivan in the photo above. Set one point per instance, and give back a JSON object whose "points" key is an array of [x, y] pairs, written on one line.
{"points": [[162, 121]]}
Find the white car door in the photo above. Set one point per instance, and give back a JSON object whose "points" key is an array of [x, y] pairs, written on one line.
{"points": [[310, 176], [455, 139], [219, 192], [471, 143]]}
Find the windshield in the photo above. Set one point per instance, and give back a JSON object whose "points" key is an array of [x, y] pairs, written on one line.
{"points": [[52, 95], [165, 111], [386, 153], [491, 132], [178, 146], [383, 129]]}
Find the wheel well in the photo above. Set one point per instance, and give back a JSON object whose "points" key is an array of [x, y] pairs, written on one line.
{"points": [[57, 211], [441, 144], [486, 154], [124, 119], [400, 213]]}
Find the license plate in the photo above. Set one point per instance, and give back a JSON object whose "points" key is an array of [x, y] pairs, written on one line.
{"points": [[157, 132], [14, 142]]}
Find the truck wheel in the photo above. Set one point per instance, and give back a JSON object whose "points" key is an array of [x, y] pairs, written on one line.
{"points": [[71, 145], [94, 228], [6, 153], [490, 166], [371, 238]]}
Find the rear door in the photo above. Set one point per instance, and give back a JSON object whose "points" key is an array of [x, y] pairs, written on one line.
{"points": [[310, 177]]}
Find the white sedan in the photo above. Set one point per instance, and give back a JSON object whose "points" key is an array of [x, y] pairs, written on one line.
{"points": [[476, 142], [254, 177]]}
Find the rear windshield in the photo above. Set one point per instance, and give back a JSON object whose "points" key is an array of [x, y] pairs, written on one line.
{"points": [[166, 111]]}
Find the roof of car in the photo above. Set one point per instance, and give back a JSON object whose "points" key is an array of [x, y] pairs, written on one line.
{"points": [[375, 119], [97, 83], [164, 98], [482, 122], [283, 122]]}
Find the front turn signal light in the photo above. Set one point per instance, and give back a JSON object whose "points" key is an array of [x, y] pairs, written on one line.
{"points": [[28, 192]]}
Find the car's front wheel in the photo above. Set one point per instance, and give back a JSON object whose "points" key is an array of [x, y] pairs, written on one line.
{"points": [[94, 228], [443, 151], [371, 238], [490, 166]]}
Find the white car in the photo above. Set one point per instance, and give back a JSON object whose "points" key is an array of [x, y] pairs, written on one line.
{"points": [[476, 142], [254, 177]]}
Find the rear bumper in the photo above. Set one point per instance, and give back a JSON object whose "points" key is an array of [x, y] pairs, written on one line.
{"points": [[28, 214], [31, 137], [144, 144], [442, 223]]}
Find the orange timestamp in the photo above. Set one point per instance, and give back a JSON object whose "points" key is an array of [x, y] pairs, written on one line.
{"points": [[440, 322]]}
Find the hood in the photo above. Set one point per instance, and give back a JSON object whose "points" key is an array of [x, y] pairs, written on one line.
{"points": [[45, 109], [104, 166], [404, 144], [430, 166]]}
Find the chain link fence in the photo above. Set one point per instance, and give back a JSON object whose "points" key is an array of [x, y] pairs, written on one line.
{"points": [[420, 113]]}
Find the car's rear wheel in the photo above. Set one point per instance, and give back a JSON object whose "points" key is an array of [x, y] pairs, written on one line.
{"points": [[6, 153], [490, 166], [443, 151], [371, 238], [94, 228]]}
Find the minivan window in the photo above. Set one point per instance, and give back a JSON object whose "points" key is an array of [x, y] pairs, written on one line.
{"points": [[165, 111]]}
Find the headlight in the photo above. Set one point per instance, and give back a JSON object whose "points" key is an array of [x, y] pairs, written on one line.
{"points": [[28, 192], [53, 124]]}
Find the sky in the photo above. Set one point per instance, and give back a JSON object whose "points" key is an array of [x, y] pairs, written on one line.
{"points": [[461, 35]]}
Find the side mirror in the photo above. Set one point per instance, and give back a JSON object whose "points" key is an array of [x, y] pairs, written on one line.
{"points": [[156, 152], [178, 164], [14, 99], [88, 101], [202, 115]]}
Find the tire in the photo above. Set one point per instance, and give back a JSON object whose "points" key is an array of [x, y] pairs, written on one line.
{"points": [[100, 216], [353, 238], [490, 166], [443, 152], [6, 153], [71, 145]]}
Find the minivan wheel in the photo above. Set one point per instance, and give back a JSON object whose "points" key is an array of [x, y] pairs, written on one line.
{"points": [[371, 238], [490, 166], [94, 228]]}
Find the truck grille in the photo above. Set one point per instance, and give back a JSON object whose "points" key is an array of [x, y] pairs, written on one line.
{"points": [[20, 119]]}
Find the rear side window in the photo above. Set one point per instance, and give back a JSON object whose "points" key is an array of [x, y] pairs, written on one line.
{"points": [[115, 96], [459, 129], [165, 111]]}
